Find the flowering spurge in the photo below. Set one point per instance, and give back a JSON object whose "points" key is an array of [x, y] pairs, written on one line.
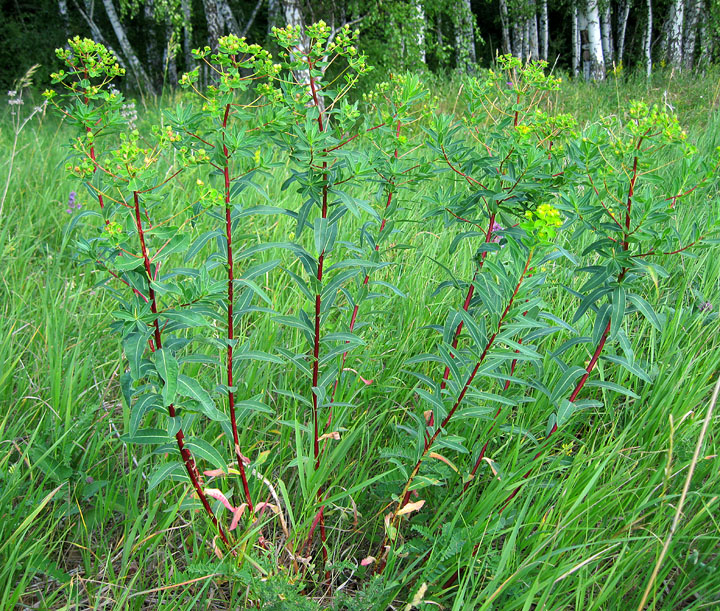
{"points": [[635, 219], [457, 412]]}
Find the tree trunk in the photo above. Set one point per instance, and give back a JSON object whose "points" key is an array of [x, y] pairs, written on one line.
{"points": [[294, 17], [138, 71], [187, 34], [64, 17], [596, 58], [274, 19], [575, 41], [506, 47], [675, 34], [706, 46], [534, 52], [465, 37], [214, 23], [228, 18], [518, 29], [606, 29], [623, 15], [152, 51], [526, 40], [690, 36], [419, 27], [647, 46], [544, 32]]}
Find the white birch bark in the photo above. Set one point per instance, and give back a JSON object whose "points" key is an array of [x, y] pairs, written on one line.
{"points": [[647, 44], [136, 67], [227, 16], [273, 14], [526, 40], [575, 41], [214, 23], [294, 17], [187, 34], [506, 46], [420, 29], [690, 35], [518, 29], [465, 37], [544, 31], [534, 43], [675, 34], [64, 17], [705, 37], [606, 29], [596, 58], [623, 15]]}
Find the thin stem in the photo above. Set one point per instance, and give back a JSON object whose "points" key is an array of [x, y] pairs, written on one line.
{"points": [[185, 453], [405, 496], [230, 319], [468, 297]]}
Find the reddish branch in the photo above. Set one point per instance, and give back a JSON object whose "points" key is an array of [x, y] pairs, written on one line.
{"points": [[187, 457], [431, 440], [230, 318]]}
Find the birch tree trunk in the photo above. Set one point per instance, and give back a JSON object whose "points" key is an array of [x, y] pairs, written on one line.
{"points": [[544, 32], [228, 18], [136, 68], [606, 29], [623, 15], [465, 37], [64, 17], [294, 17], [575, 41], [517, 42], [187, 34], [273, 14], [525, 40], [420, 29], [214, 23], [534, 43], [596, 58], [705, 37], [506, 47], [152, 50], [690, 35], [675, 34], [647, 46]]}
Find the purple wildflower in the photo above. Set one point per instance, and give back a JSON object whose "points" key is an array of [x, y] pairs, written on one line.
{"points": [[706, 306], [71, 203], [495, 228]]}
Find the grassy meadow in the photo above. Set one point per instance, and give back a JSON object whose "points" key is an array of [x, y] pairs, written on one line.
{"points": [[80, 530]]}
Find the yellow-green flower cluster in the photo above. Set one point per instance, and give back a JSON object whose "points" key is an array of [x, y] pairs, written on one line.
{"points": [[543, 222]]}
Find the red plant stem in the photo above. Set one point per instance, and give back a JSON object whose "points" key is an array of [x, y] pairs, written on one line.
{"points": [[429, 442], [468, 298], [230, 318], [185, 453], [316, 341], [606, 331], [92, 156]]}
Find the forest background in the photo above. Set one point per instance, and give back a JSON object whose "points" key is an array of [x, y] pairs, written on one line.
{"points": [[154, 39]]}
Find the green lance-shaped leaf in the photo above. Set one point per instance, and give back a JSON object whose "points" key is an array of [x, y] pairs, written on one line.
{"points": [[645, 309], [168, 369], [189, 387], [135, 345], [204, 450], [142, 406], [165, 471]]}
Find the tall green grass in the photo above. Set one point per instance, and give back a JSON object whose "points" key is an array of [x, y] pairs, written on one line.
{"points": [[79, 529]]}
